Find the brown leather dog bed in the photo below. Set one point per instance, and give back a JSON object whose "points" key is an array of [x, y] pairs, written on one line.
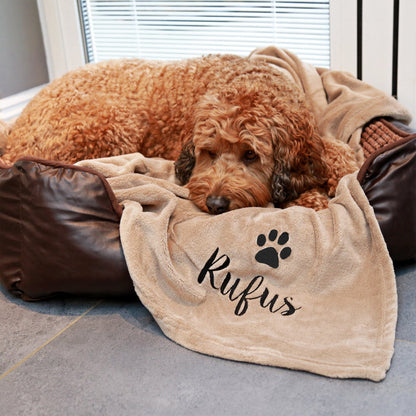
{"points": [[59, 223]]}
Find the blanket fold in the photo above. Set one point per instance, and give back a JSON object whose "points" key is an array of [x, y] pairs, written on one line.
{"points": [[341, 103], [293, 288]]}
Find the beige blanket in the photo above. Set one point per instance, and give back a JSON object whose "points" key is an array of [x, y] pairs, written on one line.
{"points": [[342, 104], [294, 288], [291, 288]]}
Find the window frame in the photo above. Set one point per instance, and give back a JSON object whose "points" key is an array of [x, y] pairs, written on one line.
{"points": [[61, 29]]}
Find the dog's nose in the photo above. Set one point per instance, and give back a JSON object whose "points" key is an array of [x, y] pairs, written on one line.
{"points": [[217, 204]]}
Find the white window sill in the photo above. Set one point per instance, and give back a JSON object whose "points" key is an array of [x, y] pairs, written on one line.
{"points": [[12, 106]]}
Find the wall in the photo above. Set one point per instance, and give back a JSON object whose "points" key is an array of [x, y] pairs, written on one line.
{"points": [[22, 55]]}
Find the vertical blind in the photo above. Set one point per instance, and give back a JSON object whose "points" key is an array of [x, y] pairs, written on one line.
{"points": [[170, 29]]}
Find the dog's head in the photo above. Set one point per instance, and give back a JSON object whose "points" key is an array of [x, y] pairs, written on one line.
{"points": [[248, 149]]}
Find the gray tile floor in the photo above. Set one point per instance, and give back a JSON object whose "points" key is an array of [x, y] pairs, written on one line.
{"points": [[78, 356]]}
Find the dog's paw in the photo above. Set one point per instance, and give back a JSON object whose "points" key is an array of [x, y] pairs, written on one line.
{"points": [[270, 255]]}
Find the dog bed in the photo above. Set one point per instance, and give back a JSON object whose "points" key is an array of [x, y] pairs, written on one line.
{"points": [[263, 285], [243, 285]]}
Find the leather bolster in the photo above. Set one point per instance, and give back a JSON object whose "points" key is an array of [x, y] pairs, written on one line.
{"points": [[59, 232], [388, 178]]}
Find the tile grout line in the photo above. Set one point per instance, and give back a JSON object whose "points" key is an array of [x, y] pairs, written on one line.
{"points": [[404, 340], [49, 340]]}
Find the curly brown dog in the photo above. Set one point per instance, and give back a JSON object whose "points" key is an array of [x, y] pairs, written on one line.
{"points": [[240, 131]]}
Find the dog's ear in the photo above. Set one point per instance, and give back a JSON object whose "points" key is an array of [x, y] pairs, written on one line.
{"points": [[282, 189], [297, 151], [185, 163]]}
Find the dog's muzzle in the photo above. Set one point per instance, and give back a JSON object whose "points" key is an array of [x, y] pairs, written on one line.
{"points": [[217, 204]]}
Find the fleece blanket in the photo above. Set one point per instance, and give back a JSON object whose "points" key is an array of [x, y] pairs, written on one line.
{"points": [[341, 103], [294, 288]]}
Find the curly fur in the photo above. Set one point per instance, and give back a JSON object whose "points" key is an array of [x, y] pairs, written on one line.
{"points": [[240, 131], [4, 133]]}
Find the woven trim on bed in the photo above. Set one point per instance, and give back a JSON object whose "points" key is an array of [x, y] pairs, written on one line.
{"points": [[376, 135]]}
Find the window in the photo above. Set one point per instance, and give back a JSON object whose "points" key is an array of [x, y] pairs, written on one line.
{"points": [[324, 33], [157, 29]]}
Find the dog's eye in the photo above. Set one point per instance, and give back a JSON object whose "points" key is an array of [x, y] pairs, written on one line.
{"points": [[250, 156], [212, 154]]}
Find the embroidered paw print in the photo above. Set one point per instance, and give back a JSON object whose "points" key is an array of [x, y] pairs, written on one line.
{"points": [[271, 255]]}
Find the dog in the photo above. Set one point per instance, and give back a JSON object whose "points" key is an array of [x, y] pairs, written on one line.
{"points": [[239, 131]]}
